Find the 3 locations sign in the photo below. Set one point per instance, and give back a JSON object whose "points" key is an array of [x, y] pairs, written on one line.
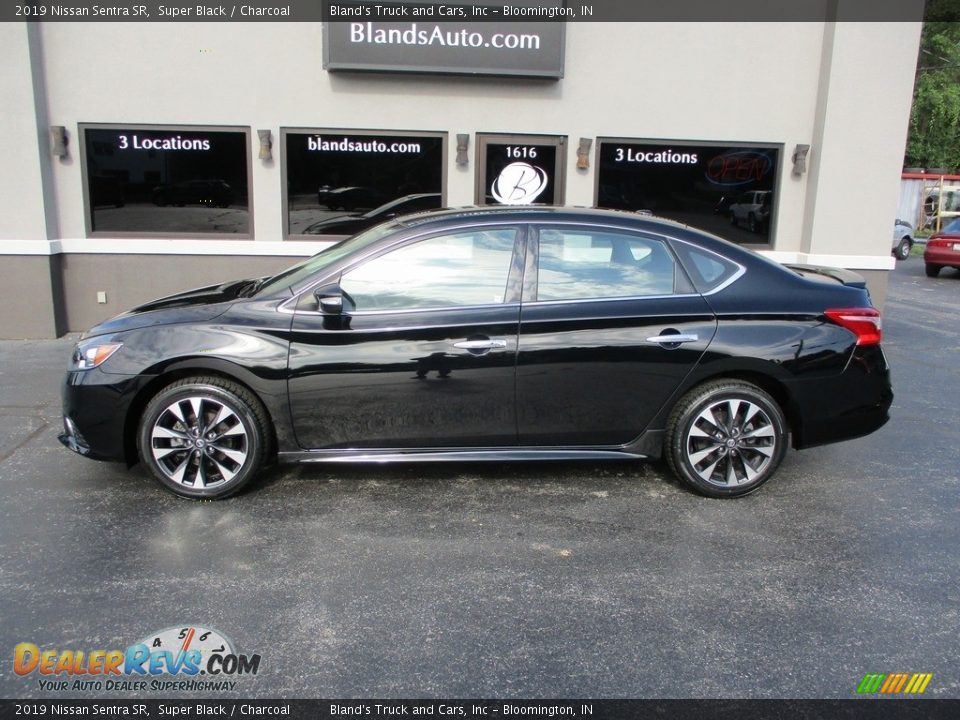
{"points": [[729, 190], [367, 36], [166, 180]]}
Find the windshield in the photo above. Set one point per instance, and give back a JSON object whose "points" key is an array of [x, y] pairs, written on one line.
{"points": [[297, 274]]}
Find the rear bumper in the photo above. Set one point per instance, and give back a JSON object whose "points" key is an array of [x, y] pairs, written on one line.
{"points": [[941, 256], [853, 404]]}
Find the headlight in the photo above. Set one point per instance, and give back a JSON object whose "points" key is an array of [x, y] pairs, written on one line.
{"points": [[89, 354]]}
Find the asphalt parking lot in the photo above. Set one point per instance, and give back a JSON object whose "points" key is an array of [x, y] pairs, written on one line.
{"points": [[511, 580]]}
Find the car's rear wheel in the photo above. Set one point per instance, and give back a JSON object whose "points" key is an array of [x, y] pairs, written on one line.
{"points": [[726, 438], [203, 437], [903, 249], [933, 270]]}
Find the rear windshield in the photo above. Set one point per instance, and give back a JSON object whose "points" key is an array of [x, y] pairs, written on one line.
{"points": [[952, 227]]}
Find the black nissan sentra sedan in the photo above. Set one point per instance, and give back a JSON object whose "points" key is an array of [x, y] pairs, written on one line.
{"points": [[489, 334]]}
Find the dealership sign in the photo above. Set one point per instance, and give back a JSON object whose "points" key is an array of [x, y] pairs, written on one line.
{"points": [[361, 37]]}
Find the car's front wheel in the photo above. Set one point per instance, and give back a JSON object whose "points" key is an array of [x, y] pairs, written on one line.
{"points": [[203, 437], [726, 438]]}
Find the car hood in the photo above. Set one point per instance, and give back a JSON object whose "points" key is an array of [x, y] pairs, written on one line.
{"points": [[200, 304]]}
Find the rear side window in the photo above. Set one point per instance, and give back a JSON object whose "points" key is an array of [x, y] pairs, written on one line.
{"points": [[707, 270], [584, 263]]}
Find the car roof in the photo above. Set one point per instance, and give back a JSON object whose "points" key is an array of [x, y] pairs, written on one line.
{"points": [[541, 213]]}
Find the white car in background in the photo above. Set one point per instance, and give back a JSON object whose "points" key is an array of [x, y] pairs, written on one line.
{"points": [[753, 209], [902, 239]]}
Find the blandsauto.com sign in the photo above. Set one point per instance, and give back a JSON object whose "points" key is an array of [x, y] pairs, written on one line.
{"points": [[360, 37]]}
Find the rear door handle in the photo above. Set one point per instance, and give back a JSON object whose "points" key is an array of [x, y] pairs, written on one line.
{"points": [[487, 344], [676, 338]]}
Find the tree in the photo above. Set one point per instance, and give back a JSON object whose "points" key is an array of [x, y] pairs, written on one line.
{"points": [[934, 138]]}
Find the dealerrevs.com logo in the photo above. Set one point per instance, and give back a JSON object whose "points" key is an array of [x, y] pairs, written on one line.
{"points": [[187, 658]]}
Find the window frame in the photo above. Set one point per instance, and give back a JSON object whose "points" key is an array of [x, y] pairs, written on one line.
{"points": [[148, 127], [443, 135]]}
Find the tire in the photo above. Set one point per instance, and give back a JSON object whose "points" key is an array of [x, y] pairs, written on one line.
{"points": [[719, 458], [902, 251], [733, 219], [214, 458], [933, 270], [752, 223]]}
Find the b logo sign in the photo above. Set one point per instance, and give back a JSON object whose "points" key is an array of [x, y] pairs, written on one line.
{"points": [[519, 183]]}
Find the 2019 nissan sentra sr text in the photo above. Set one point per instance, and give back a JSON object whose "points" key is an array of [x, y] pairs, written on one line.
{"points": [[489, 334]]}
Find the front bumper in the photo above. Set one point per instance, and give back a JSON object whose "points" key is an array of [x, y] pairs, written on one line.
{"points": [[96, 406]]}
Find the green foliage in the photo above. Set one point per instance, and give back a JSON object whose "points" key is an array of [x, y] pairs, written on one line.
{"points": [[934, 139]]}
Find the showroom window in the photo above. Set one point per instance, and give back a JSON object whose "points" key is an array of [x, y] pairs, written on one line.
{"points": [[520, 169], [461, 269], [727, 189], [340, 182], [166, 180], [579, 263]]}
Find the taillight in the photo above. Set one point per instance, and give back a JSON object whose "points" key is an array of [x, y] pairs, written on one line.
{"points": [[865, 323]]}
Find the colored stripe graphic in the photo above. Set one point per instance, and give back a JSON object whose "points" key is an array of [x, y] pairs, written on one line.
{"points": [[894, 683]]}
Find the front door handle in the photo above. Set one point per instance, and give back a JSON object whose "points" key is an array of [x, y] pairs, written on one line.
{"points": [[675, 338], [485, 344]]}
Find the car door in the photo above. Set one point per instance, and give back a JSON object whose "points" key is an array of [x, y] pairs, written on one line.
{"points": [[422, 354], [609, 327]]}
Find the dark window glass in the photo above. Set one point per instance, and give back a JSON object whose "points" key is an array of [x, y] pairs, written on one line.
{"points": [[728, 190], [585, 263], [340, 183], [521, 173], [707, 270], [469, 268], [177, 181]]}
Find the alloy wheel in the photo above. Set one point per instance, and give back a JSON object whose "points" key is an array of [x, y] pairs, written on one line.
{"points": [[199, 442], [731, 442]]}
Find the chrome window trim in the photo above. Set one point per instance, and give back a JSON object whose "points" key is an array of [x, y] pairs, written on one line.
{"points": [[618, 298], [409, 311], [740, 272]]}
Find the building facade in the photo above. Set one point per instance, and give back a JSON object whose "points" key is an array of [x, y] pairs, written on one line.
{"points": [[145, 159]]}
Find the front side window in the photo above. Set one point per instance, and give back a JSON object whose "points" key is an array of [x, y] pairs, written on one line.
{"points": [[455, 270], [579, 264]]}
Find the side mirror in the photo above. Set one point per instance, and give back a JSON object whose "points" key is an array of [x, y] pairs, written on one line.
{"points": [[331, 305], [330, 300]]}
